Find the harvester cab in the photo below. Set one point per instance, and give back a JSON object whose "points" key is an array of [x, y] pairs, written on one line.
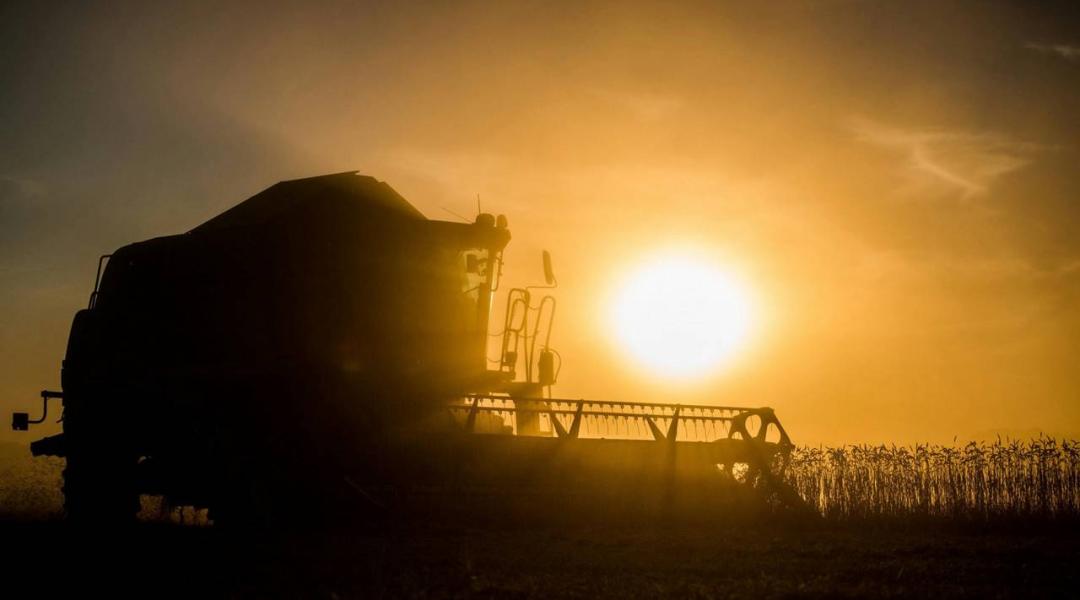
{"points": [[324, 331]]}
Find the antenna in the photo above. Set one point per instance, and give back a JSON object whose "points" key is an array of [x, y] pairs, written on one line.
{"points": [[478, 211]]}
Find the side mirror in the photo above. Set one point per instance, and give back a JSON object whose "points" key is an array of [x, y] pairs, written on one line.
{"points": [[549, 273], [20, 421]]}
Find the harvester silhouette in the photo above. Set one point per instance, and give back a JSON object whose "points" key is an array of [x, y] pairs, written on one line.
{"points": [[323, 344]]}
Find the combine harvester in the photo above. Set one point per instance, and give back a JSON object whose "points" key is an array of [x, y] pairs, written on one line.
{"points": [[323, 343]]}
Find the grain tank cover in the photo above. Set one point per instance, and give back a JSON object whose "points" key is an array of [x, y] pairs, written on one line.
{"points": [[287, 199], [331, 278]]}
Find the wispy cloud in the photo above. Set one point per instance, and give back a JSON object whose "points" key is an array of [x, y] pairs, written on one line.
{"points": [[964, 163], [19, 200], [1062, 50], [643, 105]]}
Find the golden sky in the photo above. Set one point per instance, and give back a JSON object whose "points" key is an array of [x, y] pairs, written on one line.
{"points": [[897, 182]]}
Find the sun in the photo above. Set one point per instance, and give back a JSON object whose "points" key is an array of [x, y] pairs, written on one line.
{"points": [[682, 317]]}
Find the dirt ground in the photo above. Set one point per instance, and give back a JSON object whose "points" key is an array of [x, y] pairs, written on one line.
{"points": [[459, 562]]}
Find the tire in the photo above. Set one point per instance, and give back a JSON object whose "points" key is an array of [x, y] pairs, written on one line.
{"points": [[99, 489], [100, 476]]}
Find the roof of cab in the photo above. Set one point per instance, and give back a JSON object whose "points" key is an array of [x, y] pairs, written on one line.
{"points": [[287, 197]]}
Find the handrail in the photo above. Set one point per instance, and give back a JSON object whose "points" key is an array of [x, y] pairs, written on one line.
{"points": [[508, 358], [97, 280], [545, 301]]}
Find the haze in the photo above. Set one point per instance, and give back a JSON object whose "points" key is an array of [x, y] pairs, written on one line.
{"points": [[897, 182]]}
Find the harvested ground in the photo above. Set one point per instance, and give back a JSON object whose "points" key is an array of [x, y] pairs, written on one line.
{"points": [[450, 562]]}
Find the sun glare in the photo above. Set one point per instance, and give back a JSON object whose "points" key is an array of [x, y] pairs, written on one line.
{"points": [[682, 317]]}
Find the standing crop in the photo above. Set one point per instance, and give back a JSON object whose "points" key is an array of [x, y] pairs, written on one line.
{"points": [[1036, 479]]}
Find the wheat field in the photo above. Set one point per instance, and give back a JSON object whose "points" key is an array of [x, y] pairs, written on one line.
{"points": [[985, 481]]}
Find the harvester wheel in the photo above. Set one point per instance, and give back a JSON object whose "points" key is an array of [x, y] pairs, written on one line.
{"points": [[99, 488], [100, 485]]}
